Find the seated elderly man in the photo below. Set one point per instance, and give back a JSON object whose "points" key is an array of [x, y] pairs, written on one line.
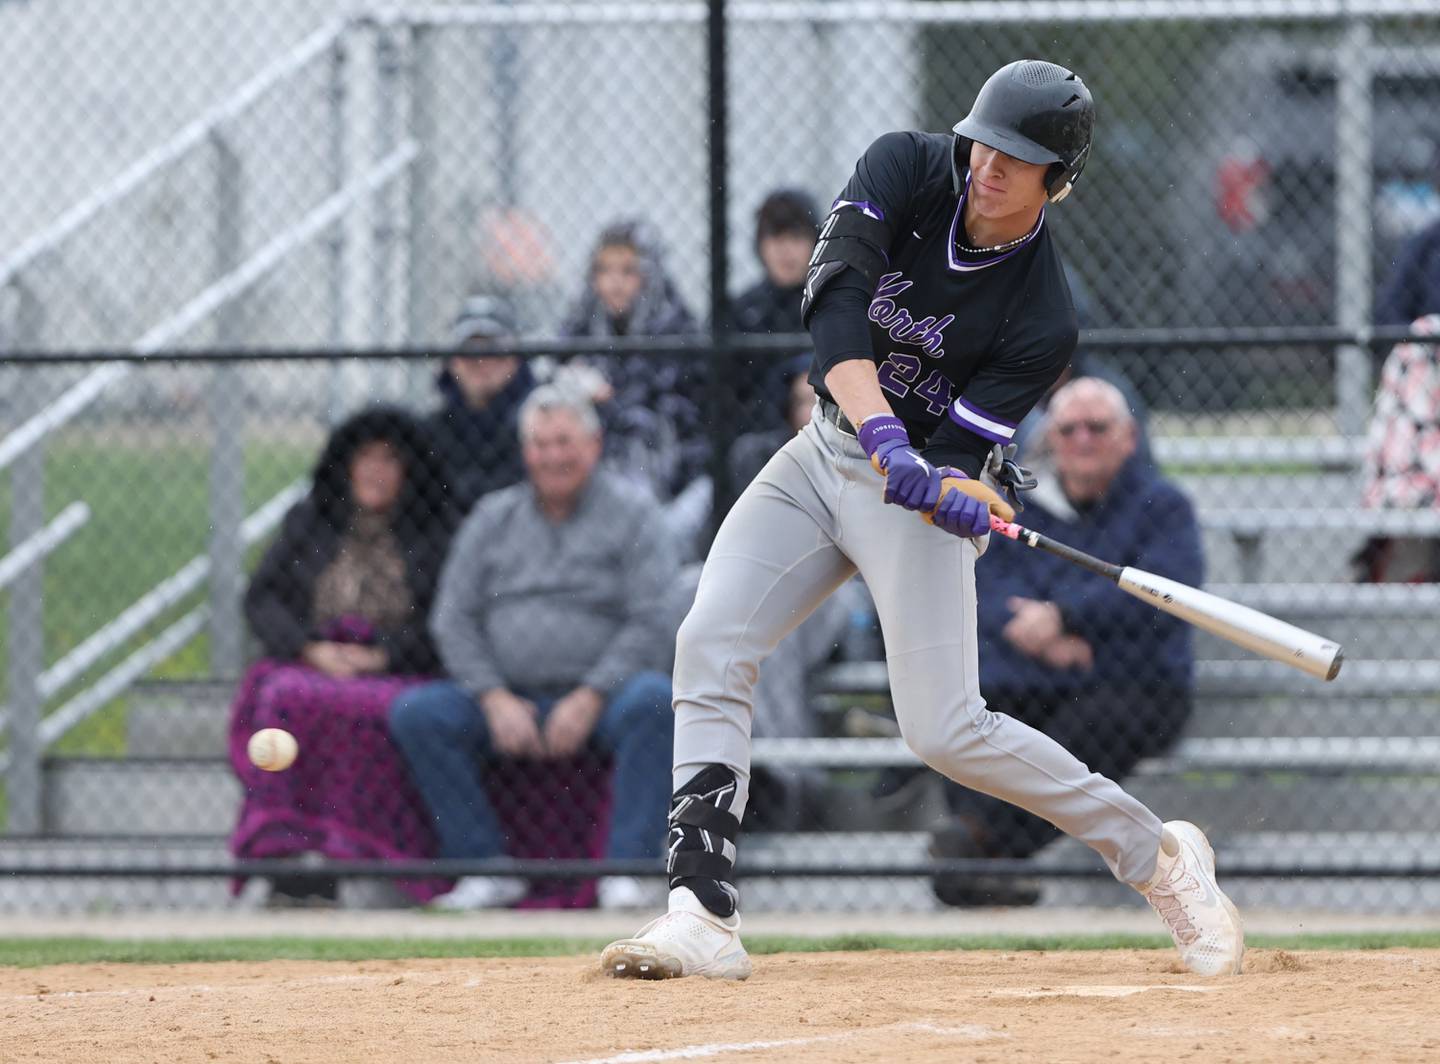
{"points": [[547, 622], [1066, 651]]}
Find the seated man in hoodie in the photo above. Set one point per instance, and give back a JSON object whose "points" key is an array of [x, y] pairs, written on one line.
{"points": [[1065, 650], [475, 427]]}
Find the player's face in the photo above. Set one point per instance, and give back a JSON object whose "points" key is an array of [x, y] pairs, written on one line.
{"points": [[786, 257], [559, 455], [1091, 440], [617, 278], [1002, 186], [376, 476]]}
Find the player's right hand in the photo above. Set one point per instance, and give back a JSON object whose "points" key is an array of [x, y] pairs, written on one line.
{"points": [[910, 481]]}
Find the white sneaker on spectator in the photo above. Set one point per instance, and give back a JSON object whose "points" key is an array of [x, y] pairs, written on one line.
{"points": [[687, 940], [483, 892], [1184, 892], [624, 892]]}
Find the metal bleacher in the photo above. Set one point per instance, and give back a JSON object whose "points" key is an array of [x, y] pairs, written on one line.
{"points": [[1279, 767]]}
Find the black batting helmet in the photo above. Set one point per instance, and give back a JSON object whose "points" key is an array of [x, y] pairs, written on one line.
{"points": [[1037, 112]]}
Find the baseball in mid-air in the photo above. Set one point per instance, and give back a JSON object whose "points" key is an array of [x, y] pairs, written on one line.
{"points": [[272, 749]]}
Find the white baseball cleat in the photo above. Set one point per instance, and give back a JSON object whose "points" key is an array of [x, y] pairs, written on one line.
{"points": [[687, 940], [1201, 919]]}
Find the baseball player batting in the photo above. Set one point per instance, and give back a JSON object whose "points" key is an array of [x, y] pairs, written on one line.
{"points": [[940, 314]]}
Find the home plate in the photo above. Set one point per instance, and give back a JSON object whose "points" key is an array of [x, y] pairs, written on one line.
{"points": [[1093, 991]]}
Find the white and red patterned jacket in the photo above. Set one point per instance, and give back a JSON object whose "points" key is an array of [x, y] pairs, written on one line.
{"points": [[1402, 451]]}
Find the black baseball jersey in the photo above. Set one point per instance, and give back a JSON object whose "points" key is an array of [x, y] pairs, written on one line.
{"points": [[965, 341]]}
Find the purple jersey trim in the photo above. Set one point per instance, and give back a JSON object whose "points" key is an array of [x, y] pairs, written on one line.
{"points": [[969, 416], [960, 266], [865, 207]]}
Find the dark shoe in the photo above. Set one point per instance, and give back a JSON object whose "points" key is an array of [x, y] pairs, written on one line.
{"points": [[981, 892], [958, 839], [303, 892]]}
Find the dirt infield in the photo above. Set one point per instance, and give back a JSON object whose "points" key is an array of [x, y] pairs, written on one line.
{"points": [[831, 1007]]}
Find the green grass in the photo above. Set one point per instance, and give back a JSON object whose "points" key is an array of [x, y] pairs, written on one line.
{"points": [[37, 952], [149, 516]]}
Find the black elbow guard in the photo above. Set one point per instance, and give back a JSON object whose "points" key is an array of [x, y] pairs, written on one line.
{"points": [[856, 237]]}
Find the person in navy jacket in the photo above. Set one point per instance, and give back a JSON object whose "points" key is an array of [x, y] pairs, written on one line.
{"points": [[1066, 651]]}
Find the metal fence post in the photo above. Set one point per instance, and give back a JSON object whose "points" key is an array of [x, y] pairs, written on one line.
{"points": [[226, 401], [24, 783], [335, 95], [1354, 155], [718, 411], [382, 296], [420, 299]]}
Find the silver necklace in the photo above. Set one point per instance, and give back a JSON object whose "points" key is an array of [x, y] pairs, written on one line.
{"points": [[999, 247]]}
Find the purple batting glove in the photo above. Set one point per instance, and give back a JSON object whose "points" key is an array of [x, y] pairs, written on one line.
{"points": [[960, 514], [910, 481]]}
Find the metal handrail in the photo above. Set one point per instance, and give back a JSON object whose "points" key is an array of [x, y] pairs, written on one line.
{"points": [[117, 680], [191, 135], [60, 411], [114, 683], [1063, 11], [899, 11], [233, 284], [161, 597], [35, 549], [67, 522]]}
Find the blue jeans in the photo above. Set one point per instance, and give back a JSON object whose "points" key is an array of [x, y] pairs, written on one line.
{"points": [[443, 734]]}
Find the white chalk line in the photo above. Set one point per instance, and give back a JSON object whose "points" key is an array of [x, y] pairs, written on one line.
{"points": [[1095, 990], [971, 1031]]}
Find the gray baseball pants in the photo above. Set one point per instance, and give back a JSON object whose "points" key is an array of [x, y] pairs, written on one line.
{"points": [[811, 519]]}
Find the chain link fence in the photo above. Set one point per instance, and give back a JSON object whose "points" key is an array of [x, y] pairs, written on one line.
{"points": [[227, 232]]}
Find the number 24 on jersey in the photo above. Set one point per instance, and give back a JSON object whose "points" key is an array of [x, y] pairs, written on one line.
{"points": [[899, 372]]}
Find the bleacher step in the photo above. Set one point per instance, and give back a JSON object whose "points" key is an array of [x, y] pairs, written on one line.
{"points": [[39, 895], [853, 849], [1248, 677], [135, 796], [170, 797]]}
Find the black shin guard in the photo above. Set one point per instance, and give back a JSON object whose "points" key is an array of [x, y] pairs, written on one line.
{"points": [[700, 853]]}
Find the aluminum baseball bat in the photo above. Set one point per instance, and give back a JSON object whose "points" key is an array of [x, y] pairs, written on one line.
{"points": [[1241, 625]]}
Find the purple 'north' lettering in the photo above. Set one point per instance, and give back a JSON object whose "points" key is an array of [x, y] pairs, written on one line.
{"points": [[927, 333]]}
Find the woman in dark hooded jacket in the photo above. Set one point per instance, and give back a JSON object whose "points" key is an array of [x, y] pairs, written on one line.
{"points": [[652, 407], [339, 605]]}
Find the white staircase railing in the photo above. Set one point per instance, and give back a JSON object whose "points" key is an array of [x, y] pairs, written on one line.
{"points": [[31, 685]]}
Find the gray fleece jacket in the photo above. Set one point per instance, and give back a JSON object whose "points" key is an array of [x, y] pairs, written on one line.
{"points": [[542, 608]]}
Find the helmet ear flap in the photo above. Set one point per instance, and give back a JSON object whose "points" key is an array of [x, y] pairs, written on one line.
{"points": [[1061, 178], [959, 161]]}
